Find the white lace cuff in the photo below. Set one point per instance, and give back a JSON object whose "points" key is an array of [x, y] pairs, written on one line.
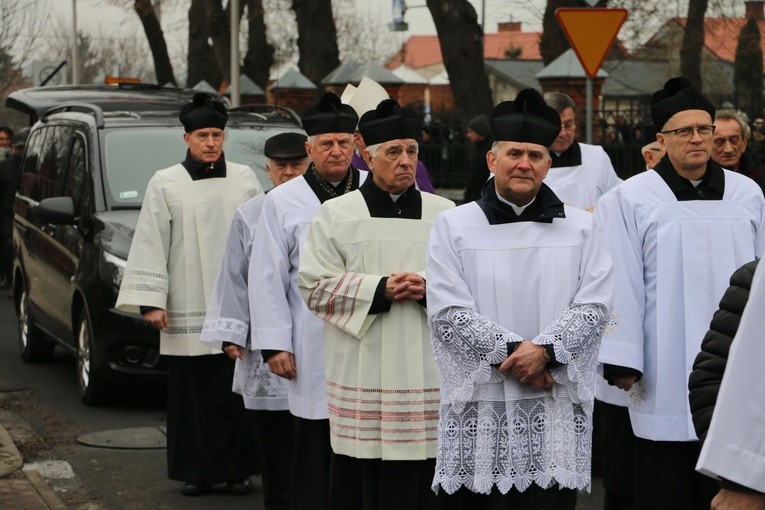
{"points": [[466, 345], [575, 336]]}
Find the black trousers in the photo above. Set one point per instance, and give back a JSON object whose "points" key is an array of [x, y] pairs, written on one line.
{"points": [[274, 433], [374, 484], [311, 465], [208, 434], [533, 498], [618, 448], [666, 477]]}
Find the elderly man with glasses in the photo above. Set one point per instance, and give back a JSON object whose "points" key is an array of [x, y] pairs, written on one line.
{"points": [[675, 235], [580, 172]]}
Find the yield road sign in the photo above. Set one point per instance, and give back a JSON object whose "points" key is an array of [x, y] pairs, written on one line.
{"points": [[591, 33]]}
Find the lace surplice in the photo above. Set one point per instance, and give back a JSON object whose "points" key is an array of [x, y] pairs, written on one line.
{"points": [[493, 431]]}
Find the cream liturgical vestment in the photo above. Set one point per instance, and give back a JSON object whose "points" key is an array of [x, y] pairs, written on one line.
{"points": [[173, 264], [583, 177], [672, 260], [281, 321], [489, 284], [228, 315], [734, 448], [382, 382]]}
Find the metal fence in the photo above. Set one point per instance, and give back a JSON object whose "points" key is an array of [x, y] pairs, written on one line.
{"points": [[447, 152]]}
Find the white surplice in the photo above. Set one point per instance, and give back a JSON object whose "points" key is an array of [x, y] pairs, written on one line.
{"points": [[228, 315], [281, 319], [582, 185], [673, 260], [382, 382], [178, 247], [492, 284], [734, 448]]}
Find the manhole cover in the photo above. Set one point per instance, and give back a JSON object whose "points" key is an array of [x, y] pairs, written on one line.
{"points": [[142, 438]]}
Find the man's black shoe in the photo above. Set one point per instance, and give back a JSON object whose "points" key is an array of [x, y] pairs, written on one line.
{"points": [[195, 488], [239, 487]]}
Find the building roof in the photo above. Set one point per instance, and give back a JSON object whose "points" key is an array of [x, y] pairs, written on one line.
{"points": [[292, 79], [721, 35], [409, 75], [247, 87], [567, 65], [204, 86], [425, 50], [352, 72], [520, 72]]}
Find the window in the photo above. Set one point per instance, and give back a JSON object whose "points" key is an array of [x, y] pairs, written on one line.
{"points": [[76, 171], [29, 166], [50, 175]]}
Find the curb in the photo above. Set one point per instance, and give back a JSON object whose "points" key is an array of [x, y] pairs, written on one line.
{"points": [[45, 491], [10, 458]]}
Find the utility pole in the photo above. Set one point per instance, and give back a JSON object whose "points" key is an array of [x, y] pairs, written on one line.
{"points": [[235, 94], [75, 56]]}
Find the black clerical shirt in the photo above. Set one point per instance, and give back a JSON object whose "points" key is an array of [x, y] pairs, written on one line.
{"points": [[545, 207], [711, 187], [570, 157], [322, 187]]}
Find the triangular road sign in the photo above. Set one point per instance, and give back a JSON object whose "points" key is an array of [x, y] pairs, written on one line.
{"points": [[591, 33]]}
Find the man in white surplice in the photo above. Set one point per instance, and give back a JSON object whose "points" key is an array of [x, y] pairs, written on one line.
{"points": [[518, 293], [363, 273], [290, 337], [675, 234], [174, 258], [580, 173], [227, 327]]}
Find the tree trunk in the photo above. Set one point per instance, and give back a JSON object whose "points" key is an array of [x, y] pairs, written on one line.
{"points": [[554, 41], [693, 43], [317, 39], [260, 54], [162, 66], [219, 30], [461, 39], [200, 59]]}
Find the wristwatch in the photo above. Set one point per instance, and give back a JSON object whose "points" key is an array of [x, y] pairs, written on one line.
{"points": [[546, 354]]}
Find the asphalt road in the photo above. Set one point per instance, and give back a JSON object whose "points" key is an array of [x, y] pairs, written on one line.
{"points": [[39, 403], [40, 406]]}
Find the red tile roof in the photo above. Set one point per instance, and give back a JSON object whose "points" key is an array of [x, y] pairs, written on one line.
{"points": [[425, 50], [721, 35]]}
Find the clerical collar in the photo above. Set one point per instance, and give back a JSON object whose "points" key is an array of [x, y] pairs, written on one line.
{"points": [[711, 187], [543, 209], [570, 157], [381, 204], [199, 170], [517, 208], [325, 190]]}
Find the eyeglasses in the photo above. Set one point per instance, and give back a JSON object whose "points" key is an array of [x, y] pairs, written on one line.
{"points": [[686, 132]]}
